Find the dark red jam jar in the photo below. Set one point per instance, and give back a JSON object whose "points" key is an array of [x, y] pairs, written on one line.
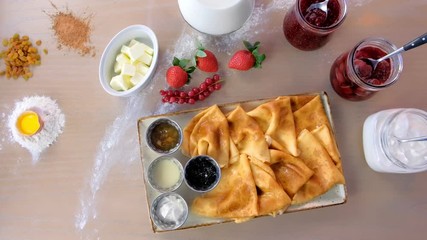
{"points": [[353, 78], [310, 29]]}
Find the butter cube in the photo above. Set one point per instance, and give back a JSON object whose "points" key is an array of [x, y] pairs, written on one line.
{"points": [[145, 58], [120, 83], [125, 50], [128, 69], [147, 49], [136, 79], [122, 58], [135, 52], [141, 68], [118, 67], [133, 42]]}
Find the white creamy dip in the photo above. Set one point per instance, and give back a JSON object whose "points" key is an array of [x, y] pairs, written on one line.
{"points": [[166, 173], [169, 211]]}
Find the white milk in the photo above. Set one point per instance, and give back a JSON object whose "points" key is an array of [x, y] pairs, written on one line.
{"points": [[216, 17], [383, 152]]}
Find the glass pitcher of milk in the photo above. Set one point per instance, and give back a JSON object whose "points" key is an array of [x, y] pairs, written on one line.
{"points": [[385, 144], [216, 17]]}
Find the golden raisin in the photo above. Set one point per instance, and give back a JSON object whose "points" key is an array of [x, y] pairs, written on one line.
{"points": [[19, 56], [38, 42]]}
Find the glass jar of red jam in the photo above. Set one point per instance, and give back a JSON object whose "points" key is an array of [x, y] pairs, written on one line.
{"points": [[353, 78], [310, 29]]}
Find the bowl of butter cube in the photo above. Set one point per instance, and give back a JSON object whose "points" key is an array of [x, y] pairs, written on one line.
{"points": [[129, 61]]}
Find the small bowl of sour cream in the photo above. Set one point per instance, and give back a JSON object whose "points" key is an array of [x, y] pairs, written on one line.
{"points": [[165, 174], [169, 211]]}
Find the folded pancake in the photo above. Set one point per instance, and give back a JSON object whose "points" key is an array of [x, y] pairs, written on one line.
{"points": [[208, 134], [234, 153], [273, 144], [186, 147], [271, 196], [326, 174], [310, 116], [299, 101], [265, 167], [277, 121], [290, 172], [235, 196], [247, 135], [324, 135]]}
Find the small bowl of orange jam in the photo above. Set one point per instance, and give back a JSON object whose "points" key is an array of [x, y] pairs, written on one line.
{"points": [[164, 136]]}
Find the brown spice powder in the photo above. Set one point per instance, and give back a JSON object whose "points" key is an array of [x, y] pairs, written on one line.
{"points": [[73, 32]]}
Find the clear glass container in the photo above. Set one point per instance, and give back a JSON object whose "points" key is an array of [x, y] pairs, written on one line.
{"points": [[354, 79], [310, 30], [383, 150]]}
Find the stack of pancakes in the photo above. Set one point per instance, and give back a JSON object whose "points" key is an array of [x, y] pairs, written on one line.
{"points": [[282, 152]]}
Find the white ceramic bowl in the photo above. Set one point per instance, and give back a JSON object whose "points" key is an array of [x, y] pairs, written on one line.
{"points": [[140, 33], [216, 17]]}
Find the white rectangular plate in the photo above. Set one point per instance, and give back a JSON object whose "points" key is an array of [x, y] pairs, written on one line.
{"points": [[335, 196]]}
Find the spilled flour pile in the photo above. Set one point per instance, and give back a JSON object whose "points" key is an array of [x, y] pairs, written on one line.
{"points": [[117, 147], [53, 120]]}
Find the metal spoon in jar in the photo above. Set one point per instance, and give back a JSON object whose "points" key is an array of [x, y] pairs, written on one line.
{"points": [[414, 139], [320, 5], [412, 44]]}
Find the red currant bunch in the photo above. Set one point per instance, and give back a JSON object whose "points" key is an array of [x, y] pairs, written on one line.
{"points": [[200, 93]]}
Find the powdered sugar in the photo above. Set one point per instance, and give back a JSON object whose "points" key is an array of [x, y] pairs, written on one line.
{"points": [[358, 3], [53, 124], [2, 130]]}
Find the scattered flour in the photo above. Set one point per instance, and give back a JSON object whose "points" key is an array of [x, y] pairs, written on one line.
{"points": [[2, 130], [53, 120], [359, 3]]}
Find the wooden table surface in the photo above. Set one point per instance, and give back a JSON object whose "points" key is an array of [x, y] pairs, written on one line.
{"points": [[89, 184]]}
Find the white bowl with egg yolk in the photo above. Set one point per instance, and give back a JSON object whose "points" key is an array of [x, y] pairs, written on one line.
{"points": [[140, 33]]}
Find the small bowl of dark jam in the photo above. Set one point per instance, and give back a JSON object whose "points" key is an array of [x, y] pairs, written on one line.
{"points": [[164, 136], [202, 173]]}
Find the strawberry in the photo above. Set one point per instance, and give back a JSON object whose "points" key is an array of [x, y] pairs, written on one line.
{"points": [[246, 59], [177, 75], [206, 60]]}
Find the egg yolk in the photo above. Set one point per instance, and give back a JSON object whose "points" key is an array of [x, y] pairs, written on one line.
{"points": [[28, 123]]}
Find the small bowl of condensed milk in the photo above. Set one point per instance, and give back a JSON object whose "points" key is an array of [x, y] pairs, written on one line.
{"points": [[165, 174]]}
